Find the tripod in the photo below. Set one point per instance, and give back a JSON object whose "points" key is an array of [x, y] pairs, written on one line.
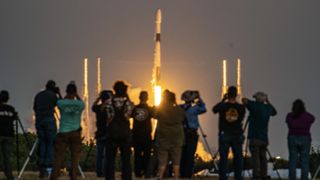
{"points": [[30, 155], [204, 137], [17, 124], [268, 152]]}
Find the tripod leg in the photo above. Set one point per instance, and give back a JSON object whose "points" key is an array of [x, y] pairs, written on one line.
{"points": [[81, 172], [208, 148], [17, 147], [28, 159], [273, 164], [316, 173], [24, 133]]}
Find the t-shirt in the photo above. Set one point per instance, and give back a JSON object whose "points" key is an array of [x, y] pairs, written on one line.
{"points": [[142, 125], [300, 126], [170, 126], [7, 117], [259, 119], [104, 114], [44, 104], [231, 116], [70, 112]]}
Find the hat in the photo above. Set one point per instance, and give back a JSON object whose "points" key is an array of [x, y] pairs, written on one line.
{"points": [[260, 96], [189, 95]]}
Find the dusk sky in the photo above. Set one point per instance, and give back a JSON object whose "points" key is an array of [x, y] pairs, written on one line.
{"points": [[277, 41]]}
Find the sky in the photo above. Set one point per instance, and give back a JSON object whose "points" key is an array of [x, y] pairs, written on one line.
{"points": [[277, 41]]}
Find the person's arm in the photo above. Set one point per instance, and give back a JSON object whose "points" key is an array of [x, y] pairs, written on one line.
{"points": [[273, 110], [200, 107], [94, 107]]}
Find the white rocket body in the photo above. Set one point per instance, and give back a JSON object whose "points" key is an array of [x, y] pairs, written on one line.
{"points": [[157, 48]]}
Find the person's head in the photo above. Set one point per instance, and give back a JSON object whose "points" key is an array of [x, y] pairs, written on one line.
{"points": [[232, 92], [120, 88], [189, 96], [71, 90], [143, 96], [168, 98], [51, 85], [105, 95], [4, 96], [260, 97], [298, 107]]}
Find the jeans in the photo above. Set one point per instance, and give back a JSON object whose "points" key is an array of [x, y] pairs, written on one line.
{"points": [[6, 148], [46, 132], [64, 140], [235, 142], [188, 151], [100, 156], [142, 153], [299, 148], [125, 151], [258, 150]]}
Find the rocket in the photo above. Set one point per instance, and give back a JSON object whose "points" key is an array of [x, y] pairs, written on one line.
{"points": [[157, 49]]}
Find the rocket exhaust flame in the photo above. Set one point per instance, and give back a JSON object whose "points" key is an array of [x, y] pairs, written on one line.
{"points": [[98, 88], [224, 78], [86, 117], [239, 77]]}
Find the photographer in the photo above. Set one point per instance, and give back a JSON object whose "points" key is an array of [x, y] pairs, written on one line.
{"points": [[44, 109], [7, 117], [69, 135], [193, 106], [231, 115], [260, 111], [104, 111]]}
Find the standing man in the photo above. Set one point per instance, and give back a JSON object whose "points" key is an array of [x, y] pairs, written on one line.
{"points": [[69, 135], [231, 115], [7, 116], [102, 107], [44, 109], [142, 129], [193, 109], [260, 111], [119, 133]]}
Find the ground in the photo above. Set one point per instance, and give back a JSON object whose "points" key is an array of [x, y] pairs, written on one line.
{"points": [[89, 175]]}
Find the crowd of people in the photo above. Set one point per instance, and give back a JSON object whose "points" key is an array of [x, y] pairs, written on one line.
{"points": [[174, 142]]}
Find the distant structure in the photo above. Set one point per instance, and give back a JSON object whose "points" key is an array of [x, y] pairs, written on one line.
{"points": [[225, 81], [157, 60]]}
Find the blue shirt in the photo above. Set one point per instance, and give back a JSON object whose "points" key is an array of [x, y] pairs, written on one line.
{"points": [[259, 119], [192, 113], [70, 112]]}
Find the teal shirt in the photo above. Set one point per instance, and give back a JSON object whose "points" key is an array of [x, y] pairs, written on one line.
{"points": [[70, 112]]}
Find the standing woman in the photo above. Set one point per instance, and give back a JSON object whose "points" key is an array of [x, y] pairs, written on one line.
{"points": [[299, 138], [69, 135], [170, 133]]}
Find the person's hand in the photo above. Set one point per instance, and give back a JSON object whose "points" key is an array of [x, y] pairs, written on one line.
{"points": [[225, 97], [244, 100]]}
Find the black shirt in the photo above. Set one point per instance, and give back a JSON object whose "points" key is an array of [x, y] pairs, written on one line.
{"points": [[104, 114], [142, 126], [44, 104], [7, 117], [231, 116]]}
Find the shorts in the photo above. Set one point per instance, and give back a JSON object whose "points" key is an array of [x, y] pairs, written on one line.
{"points": [[172, 153]]}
